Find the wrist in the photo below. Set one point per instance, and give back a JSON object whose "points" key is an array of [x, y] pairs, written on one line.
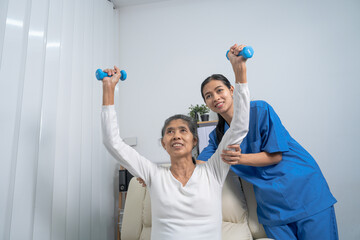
{"points": [[240, 77], [244, 159], [240, 73], [239, 66], [108, 87]]}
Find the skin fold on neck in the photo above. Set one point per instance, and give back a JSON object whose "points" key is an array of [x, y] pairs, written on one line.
{"points": [[182, 169]]}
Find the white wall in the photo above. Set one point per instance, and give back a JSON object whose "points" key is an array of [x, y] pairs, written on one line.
{"points": [[306, 64], [56, 179]]}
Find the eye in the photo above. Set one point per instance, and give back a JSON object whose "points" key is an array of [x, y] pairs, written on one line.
{"points": [[183, 130], [169, 131], [219, 90], [207, 96]]}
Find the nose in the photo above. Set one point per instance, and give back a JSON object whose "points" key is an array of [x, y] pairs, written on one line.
{"points": [[216, 97], [176, 135]]}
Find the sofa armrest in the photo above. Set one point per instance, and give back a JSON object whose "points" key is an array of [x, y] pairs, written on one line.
{"points": [[133, 211]]}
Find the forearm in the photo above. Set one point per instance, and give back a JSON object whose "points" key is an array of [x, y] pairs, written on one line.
{"points": [[108, 94], [260, 159], [240, 73]]}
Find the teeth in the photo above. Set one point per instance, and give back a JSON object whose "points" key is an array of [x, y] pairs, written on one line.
{"points": [[218, 104], [177, 145]]}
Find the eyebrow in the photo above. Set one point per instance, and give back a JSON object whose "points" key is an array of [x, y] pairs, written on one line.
{"points": [[215, 89], [172, 128]]}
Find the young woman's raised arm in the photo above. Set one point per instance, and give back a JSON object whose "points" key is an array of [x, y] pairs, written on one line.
{"points": [[240, 122]]}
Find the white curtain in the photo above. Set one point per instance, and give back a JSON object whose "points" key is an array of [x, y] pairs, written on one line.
{"points": [[56, 179]]}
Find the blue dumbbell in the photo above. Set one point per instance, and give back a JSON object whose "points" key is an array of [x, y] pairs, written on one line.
{"points": [[100, 75], [247, 52]]}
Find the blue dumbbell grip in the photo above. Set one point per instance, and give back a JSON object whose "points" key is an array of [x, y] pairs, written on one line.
{"points": [[247, 52], [100, 75]]}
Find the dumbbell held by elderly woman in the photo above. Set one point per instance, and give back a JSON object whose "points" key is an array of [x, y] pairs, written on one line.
{"points": [[100, 75]]}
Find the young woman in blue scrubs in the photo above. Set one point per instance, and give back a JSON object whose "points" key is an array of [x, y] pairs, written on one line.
{"points": [[293, 197]]}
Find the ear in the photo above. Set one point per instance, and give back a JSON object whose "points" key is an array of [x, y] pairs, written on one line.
{"points": [[163, 144], [195, 141], [232, 90]]}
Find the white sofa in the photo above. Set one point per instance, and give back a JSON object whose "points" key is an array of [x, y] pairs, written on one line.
{"points": [[239, 212]]}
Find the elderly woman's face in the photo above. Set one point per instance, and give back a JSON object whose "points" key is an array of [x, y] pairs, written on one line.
{"points": [[178, 140]]}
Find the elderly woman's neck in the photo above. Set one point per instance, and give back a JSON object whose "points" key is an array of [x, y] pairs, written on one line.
{"points": [[182, 167]]}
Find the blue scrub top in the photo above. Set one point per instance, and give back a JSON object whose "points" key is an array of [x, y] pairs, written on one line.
{"points": [[285, 192]]}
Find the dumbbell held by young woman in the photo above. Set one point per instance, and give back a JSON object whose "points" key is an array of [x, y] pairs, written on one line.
{"points": [[100, 74], [247, 52]]}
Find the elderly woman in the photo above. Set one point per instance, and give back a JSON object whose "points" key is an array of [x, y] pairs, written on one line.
{"points": [[185, 197]]}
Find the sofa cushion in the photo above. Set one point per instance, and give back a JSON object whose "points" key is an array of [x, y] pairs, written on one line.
{"points": [[234, 209], [256, 228], [235, 231]]}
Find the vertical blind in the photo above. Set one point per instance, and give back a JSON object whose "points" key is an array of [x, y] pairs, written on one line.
{"points": [[56, 179]]}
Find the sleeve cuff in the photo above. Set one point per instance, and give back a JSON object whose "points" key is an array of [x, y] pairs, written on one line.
{"points": [[241, 86], [108, 107]]}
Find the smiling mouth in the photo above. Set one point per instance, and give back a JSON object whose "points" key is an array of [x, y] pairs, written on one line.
{"points": [[177, 145], [219, 105]]}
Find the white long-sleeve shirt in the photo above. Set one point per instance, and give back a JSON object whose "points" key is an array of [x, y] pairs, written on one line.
{"points": [[182, 212]]}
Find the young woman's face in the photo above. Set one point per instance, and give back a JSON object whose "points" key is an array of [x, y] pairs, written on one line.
{"points": [[178, 140], [218, 97]]}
